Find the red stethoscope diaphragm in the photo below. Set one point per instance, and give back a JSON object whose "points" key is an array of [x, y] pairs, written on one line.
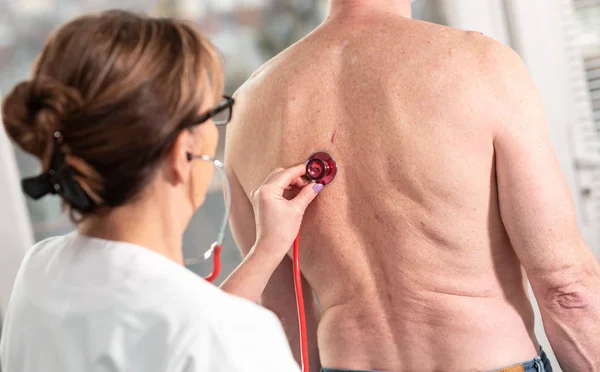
{"points": [[321, 168]]}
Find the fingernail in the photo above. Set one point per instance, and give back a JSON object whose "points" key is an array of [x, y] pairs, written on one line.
{"points": [[318, 187]]}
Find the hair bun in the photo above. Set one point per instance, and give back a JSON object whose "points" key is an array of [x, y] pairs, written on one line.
{"points": [[34, 110]]}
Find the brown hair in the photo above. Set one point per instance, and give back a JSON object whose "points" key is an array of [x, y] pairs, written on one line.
{"points": [[118, 86]]}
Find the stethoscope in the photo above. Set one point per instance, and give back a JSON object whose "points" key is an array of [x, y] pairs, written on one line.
{"points": [[320, 168]]}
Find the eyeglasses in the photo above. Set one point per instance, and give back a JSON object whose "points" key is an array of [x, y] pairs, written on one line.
{"points": [[221, 114]]}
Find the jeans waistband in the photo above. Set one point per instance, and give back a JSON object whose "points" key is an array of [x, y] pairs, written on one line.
{"points": [[540, 363]]}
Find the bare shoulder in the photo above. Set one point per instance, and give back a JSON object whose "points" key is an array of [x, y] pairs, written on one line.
{"points": [[488, 61], [271, 72], [255, 107], [497, 62], [267, 89], [494, 77], [512, 94], [261, 82]]}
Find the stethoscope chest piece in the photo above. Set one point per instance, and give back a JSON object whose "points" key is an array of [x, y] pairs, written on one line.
{"points": [[321, 168]]}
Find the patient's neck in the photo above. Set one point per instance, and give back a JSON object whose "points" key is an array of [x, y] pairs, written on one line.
{"points": [[348, 8]]}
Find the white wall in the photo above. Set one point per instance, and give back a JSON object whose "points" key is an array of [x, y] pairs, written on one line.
{"points": [[15, 229]]}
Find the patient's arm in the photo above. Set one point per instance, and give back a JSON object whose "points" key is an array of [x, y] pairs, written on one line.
{"points": [[539, 216]]}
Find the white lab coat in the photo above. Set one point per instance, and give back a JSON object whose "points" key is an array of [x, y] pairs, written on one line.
{"points": [[83, 304]]}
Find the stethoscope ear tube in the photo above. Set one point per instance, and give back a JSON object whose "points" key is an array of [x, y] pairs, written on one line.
{"points": [[215, 249]]}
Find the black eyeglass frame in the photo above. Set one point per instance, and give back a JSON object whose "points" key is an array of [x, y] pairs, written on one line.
{"points": [[227, 103]]}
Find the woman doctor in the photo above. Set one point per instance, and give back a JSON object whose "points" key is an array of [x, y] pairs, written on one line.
{"points": [[120, 110]]}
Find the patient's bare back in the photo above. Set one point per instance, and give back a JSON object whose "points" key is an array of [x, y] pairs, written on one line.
{"points": [[405, 249]]}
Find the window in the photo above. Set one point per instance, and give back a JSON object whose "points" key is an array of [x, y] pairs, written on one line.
{"points": [[587, 138]]}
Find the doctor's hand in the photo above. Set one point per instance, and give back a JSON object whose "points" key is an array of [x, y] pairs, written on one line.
{"points": [[279, 205], [278, 218]]}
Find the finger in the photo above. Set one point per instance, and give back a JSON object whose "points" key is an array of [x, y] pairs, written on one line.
{"points": [[307, 195], [299, 182], [284, 178], [294, 188]]}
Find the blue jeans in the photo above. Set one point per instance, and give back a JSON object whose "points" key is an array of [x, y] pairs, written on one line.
{"points": [[538, 364]]}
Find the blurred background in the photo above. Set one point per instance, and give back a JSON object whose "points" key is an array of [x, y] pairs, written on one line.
{"points": [[558, 39]]}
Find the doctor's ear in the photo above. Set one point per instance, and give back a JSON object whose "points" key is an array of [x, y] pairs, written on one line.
{"points": [[178, 160]]}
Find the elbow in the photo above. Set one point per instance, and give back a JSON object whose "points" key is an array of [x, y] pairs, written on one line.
{"points": [[568, 299], [576, 296], [572, 289]]}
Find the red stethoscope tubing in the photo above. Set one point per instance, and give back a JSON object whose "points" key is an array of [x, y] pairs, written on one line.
{"points": [[297, 286], [216, 264], [300, 303], [295, 253]]}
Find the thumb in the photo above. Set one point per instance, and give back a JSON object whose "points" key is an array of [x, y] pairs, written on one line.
{"points": [[307, 195]]}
